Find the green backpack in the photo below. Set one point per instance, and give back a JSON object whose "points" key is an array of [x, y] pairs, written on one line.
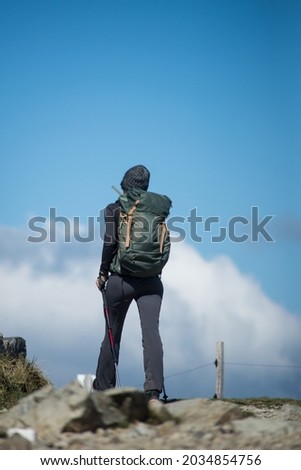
{"points": [[144, 241]]}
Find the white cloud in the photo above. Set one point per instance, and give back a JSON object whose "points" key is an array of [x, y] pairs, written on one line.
{"points": [[211, 301], [223, 304], [59, 313]]}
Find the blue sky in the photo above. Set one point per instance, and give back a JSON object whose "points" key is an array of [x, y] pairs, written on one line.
{"points": [[206, 94]]}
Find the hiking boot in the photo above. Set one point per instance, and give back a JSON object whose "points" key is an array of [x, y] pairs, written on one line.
{"points": [[152, 395]]}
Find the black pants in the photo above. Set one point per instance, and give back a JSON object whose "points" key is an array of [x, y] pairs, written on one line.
{"points": [[147, 293]]}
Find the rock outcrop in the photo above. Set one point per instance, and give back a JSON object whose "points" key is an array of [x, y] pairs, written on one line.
{"points": [[74, 418], [13, 346]]}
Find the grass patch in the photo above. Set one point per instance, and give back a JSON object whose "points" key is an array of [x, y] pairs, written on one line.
{"points": [[18, 378], [263, 402]]}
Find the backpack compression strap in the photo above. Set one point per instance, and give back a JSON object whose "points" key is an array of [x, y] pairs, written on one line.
{"points": [[129, 223], [162, 238]]}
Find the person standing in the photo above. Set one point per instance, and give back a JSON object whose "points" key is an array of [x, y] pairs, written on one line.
{"points": [[121, 290]]}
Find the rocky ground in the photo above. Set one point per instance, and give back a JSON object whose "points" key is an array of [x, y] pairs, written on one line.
{"points": [[73, 418]]}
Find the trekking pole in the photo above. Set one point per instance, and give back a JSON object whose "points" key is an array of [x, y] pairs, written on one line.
{"points": [[110, 334], [164, 393]]}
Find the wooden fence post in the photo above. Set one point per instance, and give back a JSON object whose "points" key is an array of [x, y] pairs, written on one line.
{"points": [[219, 364]]}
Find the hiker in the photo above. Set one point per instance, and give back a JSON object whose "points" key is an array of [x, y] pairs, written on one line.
{"points": [[124, 284]]}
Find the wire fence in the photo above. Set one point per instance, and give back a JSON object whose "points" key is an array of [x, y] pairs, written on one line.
{"points": [[245, 365]]}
